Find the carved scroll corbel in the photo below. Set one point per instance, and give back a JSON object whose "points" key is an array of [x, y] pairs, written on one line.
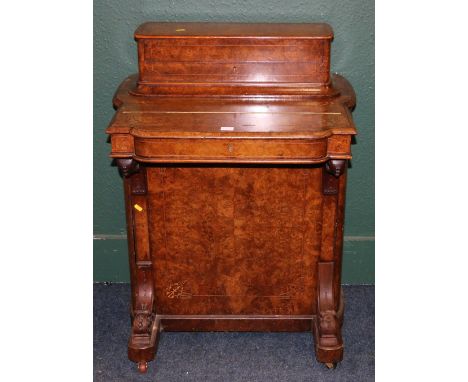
{"points": [[144, 299], [127, 166], [145, 325], [136, 174], [333, 169], [327, 325]]}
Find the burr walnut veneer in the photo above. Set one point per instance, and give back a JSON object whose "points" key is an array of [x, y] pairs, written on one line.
{"points": [[233, 142]]}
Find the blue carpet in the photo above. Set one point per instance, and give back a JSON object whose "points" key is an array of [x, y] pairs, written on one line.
{"points": [[233, 357]]}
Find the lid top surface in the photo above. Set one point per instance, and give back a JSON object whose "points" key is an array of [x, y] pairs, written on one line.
{"points": [[233, 30], [176, 116]]}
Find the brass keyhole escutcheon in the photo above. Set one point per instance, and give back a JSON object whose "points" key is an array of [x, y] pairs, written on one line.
{"points": [[230, 147]]}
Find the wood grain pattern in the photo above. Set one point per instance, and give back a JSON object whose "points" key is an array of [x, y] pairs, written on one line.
{"points": [[276, 131], [233, 30], [233, 59], [233, 142], [215, 230]]}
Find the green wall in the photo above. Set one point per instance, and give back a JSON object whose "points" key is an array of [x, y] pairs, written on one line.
{"points": [[115, 58]]}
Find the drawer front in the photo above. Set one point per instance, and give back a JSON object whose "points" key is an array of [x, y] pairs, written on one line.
{"points": [[230, 150]]}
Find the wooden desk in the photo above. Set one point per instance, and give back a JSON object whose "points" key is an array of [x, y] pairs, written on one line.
{"points": [[234, 183]]}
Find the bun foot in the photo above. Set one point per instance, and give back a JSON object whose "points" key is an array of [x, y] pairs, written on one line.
{"points": [[143, 367], [142, 346], [330, 365]]}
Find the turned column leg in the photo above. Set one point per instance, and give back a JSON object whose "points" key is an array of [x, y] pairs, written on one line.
{"points": [[329, 304], [142, 345]]}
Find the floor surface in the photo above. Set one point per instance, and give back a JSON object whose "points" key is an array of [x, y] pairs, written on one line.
{"points": [[233, 357]]}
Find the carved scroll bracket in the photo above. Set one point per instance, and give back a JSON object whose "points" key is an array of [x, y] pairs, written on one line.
{"points": [[131, 169], [127, 166], [145, 326], [333, 169], [144, 298], [327, 326]]}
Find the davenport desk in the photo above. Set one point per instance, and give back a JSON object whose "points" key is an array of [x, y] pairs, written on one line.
{"points": [[233, 142]]}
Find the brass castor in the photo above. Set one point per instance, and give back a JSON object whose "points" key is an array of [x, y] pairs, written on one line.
{"points": [[143, 367], [330, 365]]}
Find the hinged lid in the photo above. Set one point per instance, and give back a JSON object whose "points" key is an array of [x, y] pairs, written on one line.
{"points": [[233, 30]]}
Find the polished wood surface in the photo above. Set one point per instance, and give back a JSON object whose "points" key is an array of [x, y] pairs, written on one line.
{"points": [[239, 130], [234, 200], [232, 30], [231, 59]]}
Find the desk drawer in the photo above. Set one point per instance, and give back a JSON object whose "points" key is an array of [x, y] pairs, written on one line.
{"points": [[230, 150]]}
